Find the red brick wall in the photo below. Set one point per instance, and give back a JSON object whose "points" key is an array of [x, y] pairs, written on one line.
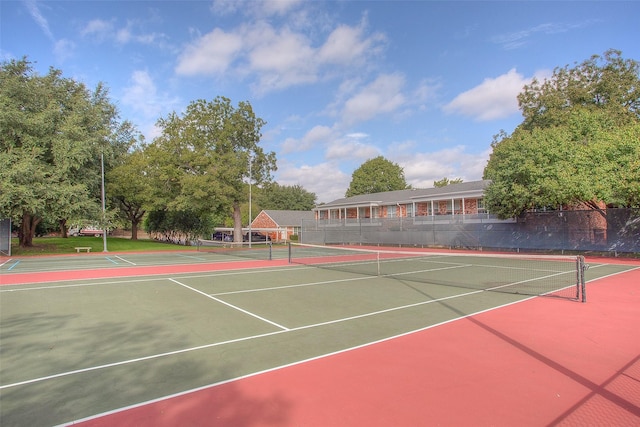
{"points": [[264, 221], [470, 206], [422, 209]]}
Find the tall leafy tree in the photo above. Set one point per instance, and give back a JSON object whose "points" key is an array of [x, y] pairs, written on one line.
{"points": [[578, 144], [53, 131], [375, 176], [203, 160], [602, 83], [129, 186], [285, 197]]}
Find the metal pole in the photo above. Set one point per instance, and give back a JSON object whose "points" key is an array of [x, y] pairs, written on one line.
{"points": [[250, 236], [104, 215]]}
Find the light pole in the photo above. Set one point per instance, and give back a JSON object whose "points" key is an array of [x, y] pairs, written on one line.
{"points": [[104, 215], [250, 199]]}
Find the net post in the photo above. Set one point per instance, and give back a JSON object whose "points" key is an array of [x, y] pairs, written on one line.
{"points": [[270, 253], [578, 278], [378, 262], [289, 251], [583, 284]]}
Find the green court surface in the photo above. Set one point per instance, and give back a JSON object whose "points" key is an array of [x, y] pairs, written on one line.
{"points": [[74, 349], [120, 260]]}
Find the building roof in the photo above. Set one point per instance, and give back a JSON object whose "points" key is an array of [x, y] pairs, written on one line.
{"points": [[289, 218], [472, 188]]}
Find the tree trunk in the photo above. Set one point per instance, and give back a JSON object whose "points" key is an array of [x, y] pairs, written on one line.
{"points": [[63, 228], [237, 222], [134, 229], [27, 229]]}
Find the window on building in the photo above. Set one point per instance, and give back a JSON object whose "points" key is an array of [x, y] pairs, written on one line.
{"points": [[481, 208]]}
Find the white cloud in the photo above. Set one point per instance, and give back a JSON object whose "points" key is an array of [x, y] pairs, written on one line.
{"points": [[278, 57], [263, 8], [102, 30], [382, 96], [357, 135], [318, 135], [520, 38], [324, 179], [143, 98], [63, 49], [351, 150], [277, 7], [422, 168], [492, 99], [37, 16], [98, 28], [349, 45], [210, 54], [426, 93]]}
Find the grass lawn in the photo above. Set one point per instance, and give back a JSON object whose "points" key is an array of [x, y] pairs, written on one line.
{"points": [[58, 245]]}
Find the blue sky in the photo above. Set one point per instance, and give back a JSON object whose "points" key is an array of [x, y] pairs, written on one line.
{"points": [[426, 84]]}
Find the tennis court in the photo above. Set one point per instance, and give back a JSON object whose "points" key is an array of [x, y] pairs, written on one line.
{"points": [[90, 338]]}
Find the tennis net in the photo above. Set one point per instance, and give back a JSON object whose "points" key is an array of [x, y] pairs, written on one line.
{"points": [[254, 250], [561, 276]]}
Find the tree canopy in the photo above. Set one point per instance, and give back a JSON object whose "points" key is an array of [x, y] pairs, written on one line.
{"points": [[203, 160], [285, 197], [375, 176], [608, 82], [579, 143], [53, 131], [130, 188]]}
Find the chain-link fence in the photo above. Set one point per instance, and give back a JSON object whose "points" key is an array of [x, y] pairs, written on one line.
{"points": [[613, 230], [5, 237]]}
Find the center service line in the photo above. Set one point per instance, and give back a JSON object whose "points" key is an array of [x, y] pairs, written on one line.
{"points": [[231, 305], [122, 259]]}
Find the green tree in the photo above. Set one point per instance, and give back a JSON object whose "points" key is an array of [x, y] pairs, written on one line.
{"points": [[178, 227], [578, 144], [284, 197], [375, 176], [609, 82], [53, 131], [129, 186], [446, 181], [203, 160], [587, 162]]}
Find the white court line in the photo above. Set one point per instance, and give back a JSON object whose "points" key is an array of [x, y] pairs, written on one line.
{"points": [[231, 305], [318, 357], [147, 278], [324, 282], [96, 266], [277, 368], [124, 260], [186, 350]]}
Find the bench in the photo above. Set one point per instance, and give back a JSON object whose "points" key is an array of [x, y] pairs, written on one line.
{"points": [[83, 248]]}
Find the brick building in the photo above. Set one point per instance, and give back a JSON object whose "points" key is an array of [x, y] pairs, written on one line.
{"points": [[455, 199], [280, 225]]}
